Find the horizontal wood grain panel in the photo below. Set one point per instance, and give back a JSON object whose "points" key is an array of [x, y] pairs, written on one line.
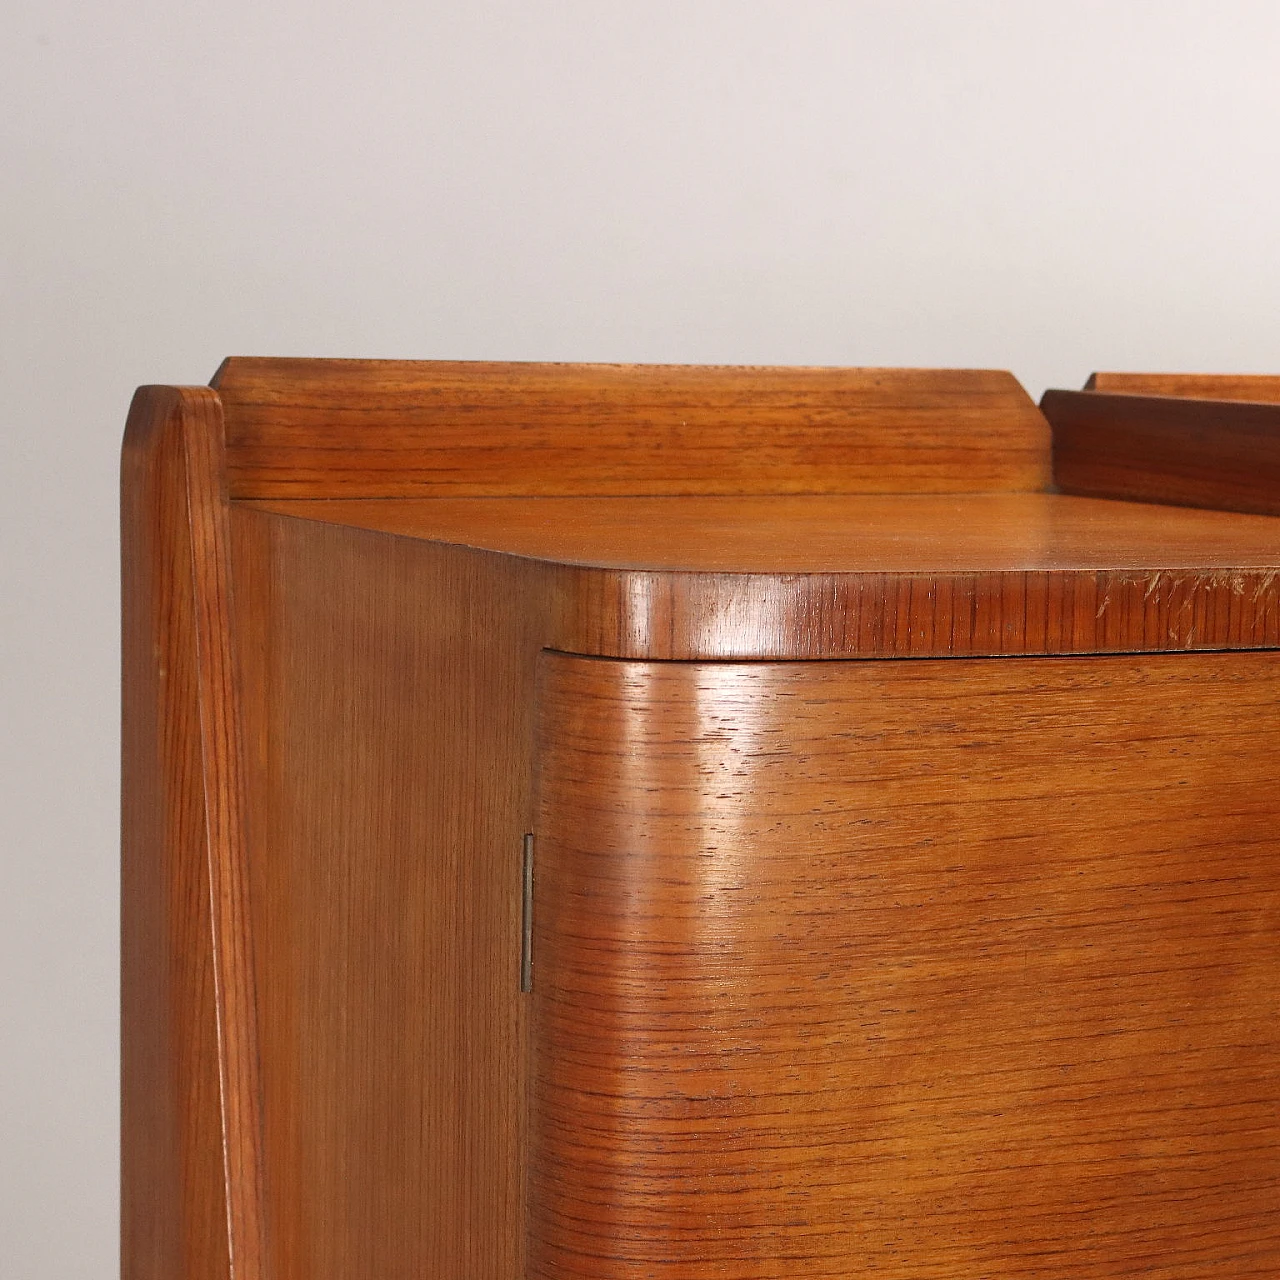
{"points": [[1260, 387], [930, 969], [383, 428], [1201, 453]]}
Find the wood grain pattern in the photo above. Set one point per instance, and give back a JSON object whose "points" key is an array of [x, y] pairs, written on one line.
{"points": [[894, 533], [866, 576], [924, 970], [191, 1128], [1262, 388], [384, 428], [388, 691], [329, 762], [1200, 453]]}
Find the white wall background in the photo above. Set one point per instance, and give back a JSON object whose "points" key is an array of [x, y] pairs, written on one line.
{"points": [[1049, 188]]}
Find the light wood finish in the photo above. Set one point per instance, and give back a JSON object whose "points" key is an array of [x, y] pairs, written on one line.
{"points": [[389, 699], [386, 428], [1262, 388], [1200, 453], [925, 970], [866, 576], [190, 1109]]}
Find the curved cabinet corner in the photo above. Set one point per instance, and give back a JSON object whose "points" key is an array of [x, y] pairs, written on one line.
{"points": [[923, 969]]}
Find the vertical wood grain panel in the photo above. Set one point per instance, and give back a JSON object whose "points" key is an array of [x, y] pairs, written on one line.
{"points": [[388, 693], [190, 1093], [931, 969]]}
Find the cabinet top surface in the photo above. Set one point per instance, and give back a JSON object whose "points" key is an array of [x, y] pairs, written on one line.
{"points": [[787, 535]]}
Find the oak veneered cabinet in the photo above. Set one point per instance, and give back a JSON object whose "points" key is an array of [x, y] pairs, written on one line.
{"points": [[618, 822]]}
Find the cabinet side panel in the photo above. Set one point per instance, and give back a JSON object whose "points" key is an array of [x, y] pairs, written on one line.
{"points": [[926, 970], [388, 694]]}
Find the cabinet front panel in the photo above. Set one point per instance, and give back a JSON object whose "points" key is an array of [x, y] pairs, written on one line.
{"points": [[947, 969]]}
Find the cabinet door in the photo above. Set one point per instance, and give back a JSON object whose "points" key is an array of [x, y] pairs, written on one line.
{"points": [[960, 968]]}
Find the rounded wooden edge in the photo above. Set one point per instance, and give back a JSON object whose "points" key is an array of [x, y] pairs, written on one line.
{"points": [[173, 479]]}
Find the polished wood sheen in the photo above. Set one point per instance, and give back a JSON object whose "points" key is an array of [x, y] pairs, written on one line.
{"points": [[898, 534], [1262, 388], [387, 428], [190, 1110], [955, 965], [862, 576], [925, 969], [1200, 453]]}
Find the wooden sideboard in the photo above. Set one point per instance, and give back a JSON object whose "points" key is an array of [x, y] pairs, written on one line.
{"points": [[666, 822]]}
